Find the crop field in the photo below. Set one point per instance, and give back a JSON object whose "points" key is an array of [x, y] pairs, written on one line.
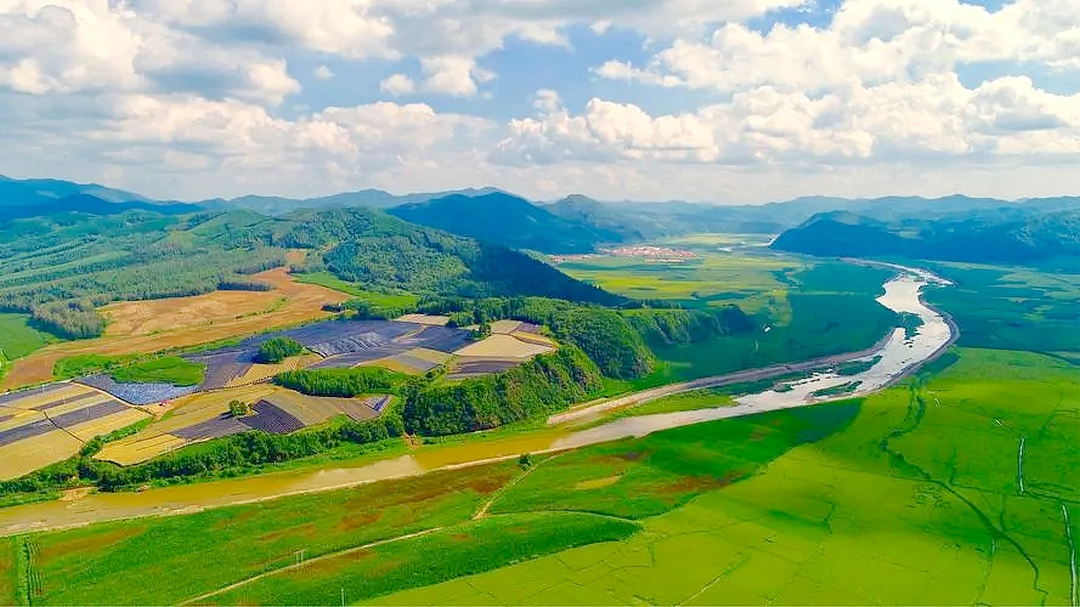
{"points": [[44, 426], [205, 416], [190, 555], [504, 346], [425, 319], [259, 372], [752, 280], [294, 303], [951, 490], [464, 367]]}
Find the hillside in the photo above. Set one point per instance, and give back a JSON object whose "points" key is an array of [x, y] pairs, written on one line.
{"points": [[507, 220], [60, 267], [1001, 237]]}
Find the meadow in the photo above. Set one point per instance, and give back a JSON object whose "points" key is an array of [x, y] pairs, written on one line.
{"points": [[883, 510], [18, 338]]}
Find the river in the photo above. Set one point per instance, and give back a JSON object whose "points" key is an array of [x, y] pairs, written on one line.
{"points": [[895, 357]]}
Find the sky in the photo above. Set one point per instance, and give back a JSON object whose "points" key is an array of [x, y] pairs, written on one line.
{"points": [[728, 101]]}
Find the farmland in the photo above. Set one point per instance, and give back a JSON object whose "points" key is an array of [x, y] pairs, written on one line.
{"points": [[837, 502], [882, 510], [208, 318], [18, 338], [41, 427]]}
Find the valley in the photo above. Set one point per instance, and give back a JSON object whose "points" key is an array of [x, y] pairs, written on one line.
{"points": [[356, 408]]}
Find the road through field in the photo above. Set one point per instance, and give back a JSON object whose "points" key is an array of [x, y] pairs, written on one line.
{"points": [[897, 356]]}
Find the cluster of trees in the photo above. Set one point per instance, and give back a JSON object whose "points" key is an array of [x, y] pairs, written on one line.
{"points": [[72, 319], [231, 454], [60, 268], [277, 349], [342, 383], [546, 384]]}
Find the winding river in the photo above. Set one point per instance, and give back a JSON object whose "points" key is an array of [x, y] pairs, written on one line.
{"points": [[893, 358]]}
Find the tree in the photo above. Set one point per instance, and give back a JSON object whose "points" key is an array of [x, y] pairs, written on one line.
{"points": [[277, 349], [239, 408]]}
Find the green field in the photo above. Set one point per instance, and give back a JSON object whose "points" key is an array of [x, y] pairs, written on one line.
{"points": [[916, 502], [805, 308], [131, 369], [912, 496], [1013, 308], [18, 338]]}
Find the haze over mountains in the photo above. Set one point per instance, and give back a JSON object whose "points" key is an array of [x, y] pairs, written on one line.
{"points": [[952, 228]]}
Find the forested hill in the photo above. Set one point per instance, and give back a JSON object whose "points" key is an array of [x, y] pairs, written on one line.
{"points": [[507, 220], [376, 249], [996, 238], [60, 267]]}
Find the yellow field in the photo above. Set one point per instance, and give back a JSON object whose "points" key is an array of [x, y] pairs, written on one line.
{"points": [[104, 425], [258, 373], [205, 406], [533, 338], [391, 364], [503, 346], [425, 319], [20, 417], [151, 326], [25, 456], [36, 400], [431, 356], [127, 453], [505, 327], [311, 410]]}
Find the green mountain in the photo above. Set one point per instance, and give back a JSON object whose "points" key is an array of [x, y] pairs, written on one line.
{"points": [[18, 192], [507, 220], [59, 267], [1000, 236]]}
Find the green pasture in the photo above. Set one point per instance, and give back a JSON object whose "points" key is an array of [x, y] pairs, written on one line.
{"points": [[916, 502], [18, 338], [914, 496]]}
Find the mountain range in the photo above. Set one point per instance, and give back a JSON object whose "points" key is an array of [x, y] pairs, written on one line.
{"points": [[947, 228]]}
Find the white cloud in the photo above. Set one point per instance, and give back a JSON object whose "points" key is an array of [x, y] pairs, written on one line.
{"points": [[323, 72], [867, 42], [398, 84]]}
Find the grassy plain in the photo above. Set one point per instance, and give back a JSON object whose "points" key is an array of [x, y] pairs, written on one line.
{"points": [[1013, 308], [18, 338], [301, 303], [917, 501]]}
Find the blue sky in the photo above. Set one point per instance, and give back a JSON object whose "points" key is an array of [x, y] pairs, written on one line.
{"points": [[727, 101]]}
